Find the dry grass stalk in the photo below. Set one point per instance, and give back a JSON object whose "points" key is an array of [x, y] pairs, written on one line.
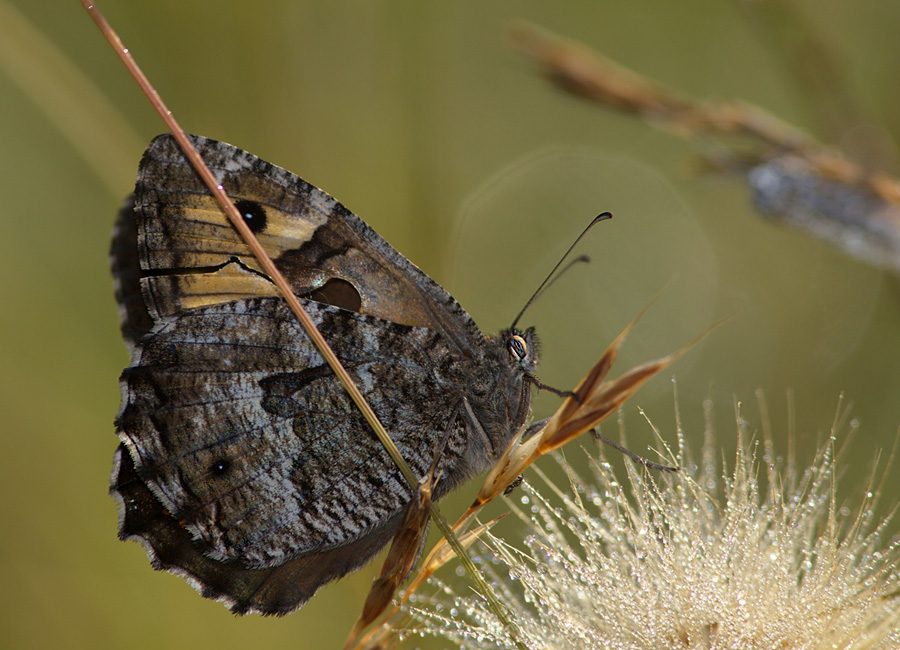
{"points": [[793, 178]]}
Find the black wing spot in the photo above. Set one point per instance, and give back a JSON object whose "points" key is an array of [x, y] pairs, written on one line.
{"points": [[254, 215], [220, 468]]}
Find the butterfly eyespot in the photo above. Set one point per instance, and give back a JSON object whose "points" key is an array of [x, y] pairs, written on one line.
{"points": [[220, 467], [254, 215], [518, 349]]}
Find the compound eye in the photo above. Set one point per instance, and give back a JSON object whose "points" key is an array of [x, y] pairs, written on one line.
{"points": [[518, 349]]}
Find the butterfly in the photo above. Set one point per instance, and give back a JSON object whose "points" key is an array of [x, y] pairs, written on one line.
{"points": [[243, 466]]}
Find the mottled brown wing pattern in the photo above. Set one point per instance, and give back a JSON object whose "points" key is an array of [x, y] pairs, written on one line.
{"points": [[313, 239], [244, 466], [240, 429], [278, 590]]}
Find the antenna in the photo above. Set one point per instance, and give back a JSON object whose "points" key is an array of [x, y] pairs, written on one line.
{"points": [[547, 281]]}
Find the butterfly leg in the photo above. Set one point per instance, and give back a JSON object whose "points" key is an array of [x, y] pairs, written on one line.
{"points": [[537, 383]]}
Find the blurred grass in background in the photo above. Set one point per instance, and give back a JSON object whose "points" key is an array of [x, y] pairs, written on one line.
{"points": [[418, 118]]}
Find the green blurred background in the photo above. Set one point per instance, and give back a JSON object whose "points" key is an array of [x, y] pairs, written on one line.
{"points": [[418, 117]]}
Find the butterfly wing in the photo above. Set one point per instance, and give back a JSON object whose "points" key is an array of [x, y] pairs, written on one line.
{"points": [[278, 590], [255, 458], [191, 256], [245, 435]]}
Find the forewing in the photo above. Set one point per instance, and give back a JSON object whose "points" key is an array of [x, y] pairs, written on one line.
{"points": [[191, 256]]}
